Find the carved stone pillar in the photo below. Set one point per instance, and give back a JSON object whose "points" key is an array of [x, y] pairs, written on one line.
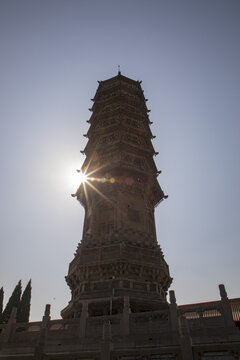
{"points": [[125, 316], [83, 319]]}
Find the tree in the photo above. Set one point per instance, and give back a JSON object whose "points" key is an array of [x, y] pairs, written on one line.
{"points": [[13, 301], [1, 300], [23, 311]]}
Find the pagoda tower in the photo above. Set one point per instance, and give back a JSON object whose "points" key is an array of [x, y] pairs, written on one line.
{"points": [[119, 260]]}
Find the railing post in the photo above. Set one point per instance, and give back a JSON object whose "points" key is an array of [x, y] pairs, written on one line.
{"points": [[185, 339], [10, 324], [227, 311], [106, 343], [39, 350], [173, 311], [46, 318]]}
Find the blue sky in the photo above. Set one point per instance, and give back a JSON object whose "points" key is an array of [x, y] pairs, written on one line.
{"points": [[187, 54]]}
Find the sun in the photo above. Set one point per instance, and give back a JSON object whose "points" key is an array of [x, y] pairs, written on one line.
{"points": [[76, 178], [82, 177]]}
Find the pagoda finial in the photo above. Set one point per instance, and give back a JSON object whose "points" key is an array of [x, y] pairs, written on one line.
{"points": [[119, 72]]}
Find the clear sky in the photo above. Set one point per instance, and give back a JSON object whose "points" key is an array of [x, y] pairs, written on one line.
{"points": [[187, 53]]}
